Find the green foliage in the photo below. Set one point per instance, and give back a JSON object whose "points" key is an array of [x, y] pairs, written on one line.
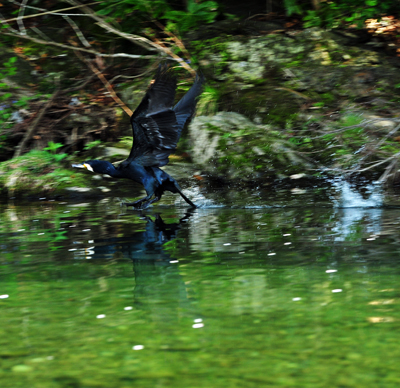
{"points": [[292, 7], [351, 120], [53, 147], [208, 101], [92, 144], [332, 14], [9, 68], [126, 141], [196, 14]]}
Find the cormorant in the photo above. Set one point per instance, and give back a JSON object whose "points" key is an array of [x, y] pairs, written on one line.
{"points": [[157, 126]]}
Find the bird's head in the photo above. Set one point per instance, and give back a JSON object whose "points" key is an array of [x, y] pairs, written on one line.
{"points": [[97, 166]]}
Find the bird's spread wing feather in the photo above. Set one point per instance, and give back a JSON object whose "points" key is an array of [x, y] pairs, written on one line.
{"points": [[186, 106], [160, 129], [159, 96], [157, 124]]}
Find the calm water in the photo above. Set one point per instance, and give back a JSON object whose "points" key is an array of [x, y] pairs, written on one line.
{"points": [[97, 295]]}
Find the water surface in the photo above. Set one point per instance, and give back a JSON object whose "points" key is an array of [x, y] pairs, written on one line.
{"points": [[297, 293]]}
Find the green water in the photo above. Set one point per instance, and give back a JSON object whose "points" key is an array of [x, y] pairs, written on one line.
{"points": [[96, 295]]}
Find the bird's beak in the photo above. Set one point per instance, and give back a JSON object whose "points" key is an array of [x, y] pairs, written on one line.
{"points": [[83, 165]]}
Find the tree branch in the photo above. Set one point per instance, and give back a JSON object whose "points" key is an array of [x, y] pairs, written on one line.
{"points": [[64, 46], [139, 40], [105, 82], [21, 16], [33, 126], [49, 12]]}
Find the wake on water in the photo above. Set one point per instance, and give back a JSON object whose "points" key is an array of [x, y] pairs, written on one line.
{"points": [[344, 196]]}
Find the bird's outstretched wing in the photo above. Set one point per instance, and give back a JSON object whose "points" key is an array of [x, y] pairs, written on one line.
{"points": [[186, 106], [157, 124]]}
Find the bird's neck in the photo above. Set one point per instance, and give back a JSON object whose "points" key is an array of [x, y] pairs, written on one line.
{"points": [[109, 169]]}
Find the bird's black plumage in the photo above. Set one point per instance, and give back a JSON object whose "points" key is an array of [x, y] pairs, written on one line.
{"points": [[157, 125]]}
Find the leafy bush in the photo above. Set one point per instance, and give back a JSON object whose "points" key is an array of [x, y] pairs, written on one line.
{"points": [[53, 147], [332, 14], [196, 14]]}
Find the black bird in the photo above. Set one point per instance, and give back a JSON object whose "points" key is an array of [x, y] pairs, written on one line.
{"points": [[157, 125]]}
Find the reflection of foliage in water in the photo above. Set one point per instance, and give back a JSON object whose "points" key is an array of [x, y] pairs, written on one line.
{"points": [[256, 308]]}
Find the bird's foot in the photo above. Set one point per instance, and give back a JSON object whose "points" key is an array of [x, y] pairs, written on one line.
{"points": [[140, 204]]}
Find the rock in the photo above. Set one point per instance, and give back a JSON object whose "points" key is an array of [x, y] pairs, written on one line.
{"points": [[79, 189], [230, 145]]}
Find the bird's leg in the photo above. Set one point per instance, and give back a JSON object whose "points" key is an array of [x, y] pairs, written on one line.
{"points": [[138, 204], [149, 186], [148, 203], [182, 195]]}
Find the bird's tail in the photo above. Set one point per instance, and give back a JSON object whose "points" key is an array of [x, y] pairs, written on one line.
{"points": [[185, 108]]}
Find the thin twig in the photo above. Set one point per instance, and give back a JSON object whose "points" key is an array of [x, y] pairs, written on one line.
{"points": [[362, 124], [21, 16], [149, 70], [78, 32], [377, 164], [64, 46], [80, 86], [140, 40], [176, 57], [144, 42], [376, 147], [2, 20], [177, 40], [294, 92], [50, 12], [391, 133], [41, 34], [106, 83], [33, 126], [388, 171]]}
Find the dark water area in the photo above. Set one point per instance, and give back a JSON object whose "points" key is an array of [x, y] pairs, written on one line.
{"points": [[301, 292]]}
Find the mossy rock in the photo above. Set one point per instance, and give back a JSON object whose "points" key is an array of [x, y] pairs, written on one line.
{"points": [[229, 145], [37, 173]]}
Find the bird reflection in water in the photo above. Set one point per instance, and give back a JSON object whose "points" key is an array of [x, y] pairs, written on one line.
{"points": [[159, 287], [145, 246]]}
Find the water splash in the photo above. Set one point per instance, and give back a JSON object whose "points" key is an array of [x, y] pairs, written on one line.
{"points": [[353, 208], [194, 194], [346, 196]]}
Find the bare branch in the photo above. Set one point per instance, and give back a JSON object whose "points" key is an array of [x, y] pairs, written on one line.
{"points": [[42, 34], [397, 155], [151, 69], [33, 126], [139, 40], [105, 82], [64, 46], [21, 16], [376, 147], [78, 32], [50, 12], [388, 171], [2, 20]]}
